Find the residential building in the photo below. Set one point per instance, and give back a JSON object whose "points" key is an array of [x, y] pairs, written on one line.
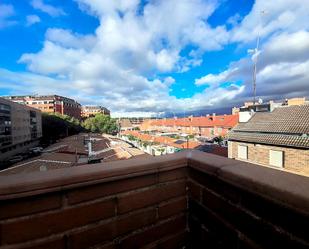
{"points": [[269, 106], [235, 110], [277, 139], [208, 126], [91, 111], [296, 101], [125, 124], [260, 107], [50, 104], [157, 145], [20, 128]]}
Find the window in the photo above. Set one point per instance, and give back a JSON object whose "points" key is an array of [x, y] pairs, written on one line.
{"points": [[276, 158], [242, 152]]}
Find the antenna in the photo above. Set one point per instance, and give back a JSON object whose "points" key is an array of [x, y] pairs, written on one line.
{"points": [[255, 53]]}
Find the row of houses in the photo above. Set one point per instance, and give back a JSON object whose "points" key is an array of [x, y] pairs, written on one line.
{"points": [[58, 104], [207, 126], [157, 145], [268, 134]]}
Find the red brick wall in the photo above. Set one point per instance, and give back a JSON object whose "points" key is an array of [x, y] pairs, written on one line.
{"points": [[223, 215], [130, 213], [191, 199]]}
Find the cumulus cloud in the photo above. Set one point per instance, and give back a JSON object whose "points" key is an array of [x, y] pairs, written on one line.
{"points": [[267, 17], [118, 65], [68, 39], [282, 68], [47, 8], [211, 79], [125, 63], [32, 19]]}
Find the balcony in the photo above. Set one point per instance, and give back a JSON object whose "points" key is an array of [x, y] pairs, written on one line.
{"points": [[186, 200]]}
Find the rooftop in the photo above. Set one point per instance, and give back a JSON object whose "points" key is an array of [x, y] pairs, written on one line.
{"points": [[163, 140], [189, 199], [287, 126], [72, 151], [208, 121]]}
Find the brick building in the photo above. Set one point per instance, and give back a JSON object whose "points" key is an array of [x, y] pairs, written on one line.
{"points": [[91, 111], [50, 104], [208, 126], [278, 139], [20, 128]]}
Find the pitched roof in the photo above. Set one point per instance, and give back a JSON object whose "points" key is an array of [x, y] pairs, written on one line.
{"points": [[286, 126], [125, 123], [163, 140], [285, 120]]}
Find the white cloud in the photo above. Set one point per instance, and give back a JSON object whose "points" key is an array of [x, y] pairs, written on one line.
{"points": [[282, 68], [68, 39], [47, 8], [211, 79], [280, 15], [114, 65], [284, 56], [125, 63], [6, 13], [32, 19]]}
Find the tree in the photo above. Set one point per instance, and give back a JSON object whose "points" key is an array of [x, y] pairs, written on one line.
{"points": [[55, 126], [101, 123]]}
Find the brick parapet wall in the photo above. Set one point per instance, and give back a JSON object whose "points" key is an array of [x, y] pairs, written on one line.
{"points": [[190, 199]]}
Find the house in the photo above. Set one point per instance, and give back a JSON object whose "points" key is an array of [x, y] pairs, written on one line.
{"points": [[208, 126], [277, 139], [125, 124]]}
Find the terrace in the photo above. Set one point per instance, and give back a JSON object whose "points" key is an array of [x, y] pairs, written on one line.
{"points": [[189, 199]]}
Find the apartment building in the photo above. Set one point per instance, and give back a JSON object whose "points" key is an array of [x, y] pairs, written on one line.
{"points": [[50, 104], [20, 128], [269, 106], [277, 139], [207, 126], [91, 111]]}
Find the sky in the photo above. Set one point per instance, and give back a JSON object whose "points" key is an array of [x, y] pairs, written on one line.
{"points": [[153, 57]]}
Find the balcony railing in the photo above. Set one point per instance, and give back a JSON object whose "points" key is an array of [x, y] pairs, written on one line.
{"points": [[185, 200]]}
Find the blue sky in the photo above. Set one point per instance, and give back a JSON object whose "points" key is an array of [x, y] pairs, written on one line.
{"points": [[146, 57]]}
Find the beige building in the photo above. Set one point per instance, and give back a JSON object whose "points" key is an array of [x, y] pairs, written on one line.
{"points": [[50, 104], [278, 139], [20, 128], [91, 111], [297, 101]]}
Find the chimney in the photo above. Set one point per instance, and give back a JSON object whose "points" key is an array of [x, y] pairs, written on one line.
{"points": [[245, 116], [89, 149]]}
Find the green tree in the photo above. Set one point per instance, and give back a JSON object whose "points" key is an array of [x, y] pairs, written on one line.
{"points": [[55, 126], [101, 123]]}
